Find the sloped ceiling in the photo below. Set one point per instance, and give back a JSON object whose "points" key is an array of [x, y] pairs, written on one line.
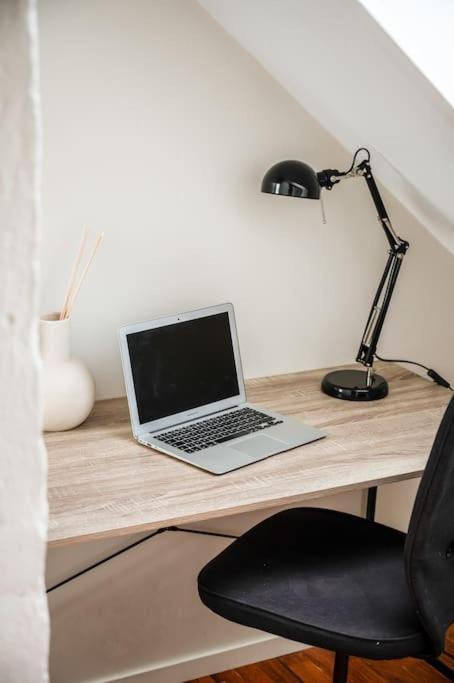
{"points": [[348, 73], [423, 30]]}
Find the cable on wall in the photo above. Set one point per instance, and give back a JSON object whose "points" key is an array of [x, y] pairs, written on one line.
{"points": [[133, 545]]}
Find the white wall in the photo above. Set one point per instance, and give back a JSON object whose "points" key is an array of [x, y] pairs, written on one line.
{"points": [[158, 129], [23, 513]]}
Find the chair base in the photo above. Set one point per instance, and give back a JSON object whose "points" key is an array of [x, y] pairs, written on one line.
{"points": [[441, 667]]}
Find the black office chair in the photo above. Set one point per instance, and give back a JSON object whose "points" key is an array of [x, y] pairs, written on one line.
{"points": [[347, 584]]}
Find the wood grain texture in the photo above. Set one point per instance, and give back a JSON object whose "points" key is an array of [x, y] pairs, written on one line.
{"points": [[315, 666], [102, 483]]}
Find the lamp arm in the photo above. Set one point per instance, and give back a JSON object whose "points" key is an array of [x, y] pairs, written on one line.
{"points": [[382, 299], [395, 242], [379, 309], [398, 249]]}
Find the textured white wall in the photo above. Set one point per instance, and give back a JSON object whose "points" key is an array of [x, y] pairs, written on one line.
{"points": [[23, 511]]}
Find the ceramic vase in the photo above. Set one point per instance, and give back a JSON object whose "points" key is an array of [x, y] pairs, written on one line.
{"points": [[68, 387]]}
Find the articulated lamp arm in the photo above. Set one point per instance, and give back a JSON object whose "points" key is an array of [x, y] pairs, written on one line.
{"points": [[397, 250], [380, 304]]}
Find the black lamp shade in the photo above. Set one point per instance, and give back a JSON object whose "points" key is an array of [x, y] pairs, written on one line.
{"points": [[292, 179]]}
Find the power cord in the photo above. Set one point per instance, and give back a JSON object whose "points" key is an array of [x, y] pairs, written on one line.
{"points": [[435, 376], [360, 149]]}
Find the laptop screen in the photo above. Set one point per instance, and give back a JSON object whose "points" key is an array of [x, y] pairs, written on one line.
{"points": [[179, 367]]}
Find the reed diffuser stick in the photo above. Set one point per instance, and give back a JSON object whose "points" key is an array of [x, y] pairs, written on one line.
{"points": [[82, 277], [72, 277]]}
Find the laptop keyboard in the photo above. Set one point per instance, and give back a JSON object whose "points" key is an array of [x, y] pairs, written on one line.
{"points": [[219, 429]]}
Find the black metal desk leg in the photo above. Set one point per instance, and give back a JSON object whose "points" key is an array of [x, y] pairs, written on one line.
{"points": [[371, 503]]}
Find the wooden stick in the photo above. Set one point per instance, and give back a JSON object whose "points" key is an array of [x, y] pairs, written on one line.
{"points": [[82, 277], [73, 274]]}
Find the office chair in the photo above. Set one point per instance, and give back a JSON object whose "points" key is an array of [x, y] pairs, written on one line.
{"points": [[347, 584]]}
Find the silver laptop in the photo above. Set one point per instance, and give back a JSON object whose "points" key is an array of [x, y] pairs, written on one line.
{"points": [[186, 393]]}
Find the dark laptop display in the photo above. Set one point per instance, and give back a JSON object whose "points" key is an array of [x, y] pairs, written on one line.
{"points": [[182, 366]]}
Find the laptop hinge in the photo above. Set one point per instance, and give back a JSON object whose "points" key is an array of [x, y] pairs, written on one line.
{"points": [[191, 419]]}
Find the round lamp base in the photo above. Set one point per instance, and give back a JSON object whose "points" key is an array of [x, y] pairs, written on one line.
{"points": [[351, 385]]}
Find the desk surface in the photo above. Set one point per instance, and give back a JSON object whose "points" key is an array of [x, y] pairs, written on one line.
{"points": [[102, 483]]}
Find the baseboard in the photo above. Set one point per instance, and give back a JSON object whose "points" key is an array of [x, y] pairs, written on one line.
{"points": [[238, 654]]}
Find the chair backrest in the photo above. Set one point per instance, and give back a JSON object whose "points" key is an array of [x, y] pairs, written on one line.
{"points": [[429, 548]]}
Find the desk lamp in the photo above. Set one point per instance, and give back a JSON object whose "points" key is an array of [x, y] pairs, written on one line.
{"points": [[297, 179]]}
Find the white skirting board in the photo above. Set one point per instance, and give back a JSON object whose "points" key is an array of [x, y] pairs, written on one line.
{"points": [[214, 662]]}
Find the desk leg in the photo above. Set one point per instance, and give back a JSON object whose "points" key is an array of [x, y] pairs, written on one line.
{"points": [[371, 503]]}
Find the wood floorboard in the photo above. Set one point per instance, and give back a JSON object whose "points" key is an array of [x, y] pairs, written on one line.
{"points": [[305, 667], [314, 665], [405, 671]]}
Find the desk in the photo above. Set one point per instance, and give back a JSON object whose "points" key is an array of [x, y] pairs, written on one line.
{"points": [[102, 483]]}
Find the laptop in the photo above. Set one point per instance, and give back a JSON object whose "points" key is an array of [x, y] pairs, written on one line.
{"points": [[186, 393]]}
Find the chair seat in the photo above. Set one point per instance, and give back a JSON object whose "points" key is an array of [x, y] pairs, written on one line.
{"points": [[319, 577]]}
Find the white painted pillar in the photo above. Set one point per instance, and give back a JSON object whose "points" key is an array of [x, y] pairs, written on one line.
{"points": [[24, 628]]}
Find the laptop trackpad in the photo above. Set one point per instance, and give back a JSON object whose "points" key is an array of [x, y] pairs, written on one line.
{"points": [[259, 445]]}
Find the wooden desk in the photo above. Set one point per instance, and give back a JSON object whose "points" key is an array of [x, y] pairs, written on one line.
{"points": [[102, 483]]}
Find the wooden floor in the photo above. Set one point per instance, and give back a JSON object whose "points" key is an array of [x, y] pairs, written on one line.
{"points": [[315, 666]]}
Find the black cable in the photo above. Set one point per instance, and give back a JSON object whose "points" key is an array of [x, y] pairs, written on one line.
{"points": [[105, 559], [433, 374], [360, 149], [203, 533], [401, 360]]}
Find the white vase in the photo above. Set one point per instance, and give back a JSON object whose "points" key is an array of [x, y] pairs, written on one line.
{"points": [[68, 387]]}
